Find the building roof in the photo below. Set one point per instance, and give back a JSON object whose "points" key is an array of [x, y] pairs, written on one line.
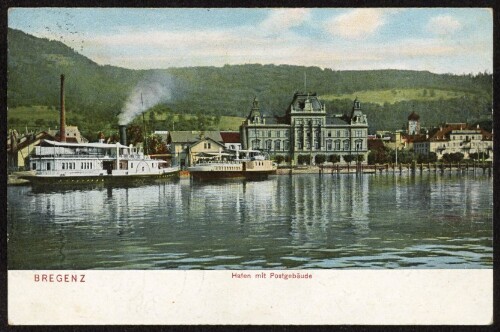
{"points": [[443, 133], [200, 140], [413, 116], [193, 136], [299, 101], [334, 120], [413, 138], [29, 139], [230, 136], [82, 145]]}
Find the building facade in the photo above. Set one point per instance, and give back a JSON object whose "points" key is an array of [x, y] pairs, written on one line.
{"points": [[458, 137], [231, 140], [187, 147], [306, 129]]}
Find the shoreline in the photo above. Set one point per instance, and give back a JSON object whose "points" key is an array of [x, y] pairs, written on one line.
{"points": [[14, 180], [386, 169]]}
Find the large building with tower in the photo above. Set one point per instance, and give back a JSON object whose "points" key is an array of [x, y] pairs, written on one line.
{"points": [[306, 129]]}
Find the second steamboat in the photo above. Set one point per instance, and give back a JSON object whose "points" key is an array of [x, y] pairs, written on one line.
{"points": [[253, 165]]}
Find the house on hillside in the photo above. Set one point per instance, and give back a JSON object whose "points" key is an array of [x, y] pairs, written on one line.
{"points": [[456, 137], [187, 147]]}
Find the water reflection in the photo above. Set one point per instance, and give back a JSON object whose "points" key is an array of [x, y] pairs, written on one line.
{"points": [[300, 221]]}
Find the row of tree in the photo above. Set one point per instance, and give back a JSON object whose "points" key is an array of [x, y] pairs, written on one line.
{"points": [[384, 156]]}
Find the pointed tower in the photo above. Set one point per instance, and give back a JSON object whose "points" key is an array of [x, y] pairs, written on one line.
{"points": [[254, 117], [357, 116], [413, 124]]}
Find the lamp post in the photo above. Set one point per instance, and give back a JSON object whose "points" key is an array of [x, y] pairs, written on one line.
{"points": [[357, 157], [397, 155]]}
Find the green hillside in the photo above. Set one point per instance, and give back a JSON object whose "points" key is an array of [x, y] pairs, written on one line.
{"points": [[96, 94], [394, 96]]}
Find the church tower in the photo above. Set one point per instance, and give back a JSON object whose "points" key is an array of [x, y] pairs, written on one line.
{"points": [[413, 124]]}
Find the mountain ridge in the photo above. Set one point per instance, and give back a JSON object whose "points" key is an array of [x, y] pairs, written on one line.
{"points": [[99, 92]]}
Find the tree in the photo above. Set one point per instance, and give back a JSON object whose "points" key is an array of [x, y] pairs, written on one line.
{"points": [[432, 157], [279, 159], [454, 157], [134, 134], [372, 157], [446, 157], [422, 158], [303, 159], [40, 123], [380, 155], [152, 120], [319, 159], [348, 158], [479, 155], [360, 158], [457, 157], [333, 158], [404, 156], [156, 145]]}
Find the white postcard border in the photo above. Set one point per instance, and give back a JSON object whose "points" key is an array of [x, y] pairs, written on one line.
{"points": [[397, 297]]}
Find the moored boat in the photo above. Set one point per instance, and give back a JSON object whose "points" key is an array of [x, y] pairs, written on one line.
{"points": [[252, 166], [79, 163]]}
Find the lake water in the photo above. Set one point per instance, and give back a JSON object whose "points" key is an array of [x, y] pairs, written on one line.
{"points": [[305, 221]]}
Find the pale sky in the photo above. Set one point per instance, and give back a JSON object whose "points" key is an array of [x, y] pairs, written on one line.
{"points": [[440, 40]]}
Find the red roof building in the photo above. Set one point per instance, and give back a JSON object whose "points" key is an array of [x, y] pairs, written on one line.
{"points": [[453, 138], [231, 140], [230, 136]]}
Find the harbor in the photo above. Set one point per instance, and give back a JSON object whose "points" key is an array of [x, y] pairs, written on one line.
{"points": [[306, 221]]}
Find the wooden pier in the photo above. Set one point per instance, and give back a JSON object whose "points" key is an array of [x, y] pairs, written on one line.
{"points": [[413, 168]]}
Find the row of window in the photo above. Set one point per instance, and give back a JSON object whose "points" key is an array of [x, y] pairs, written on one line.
{"points": [[72, 165], [68, 165], [285, 133], [227, 168], [86, 165], [314, 122], [466, 137], [269, 133], [269, 145], [330, 145]]}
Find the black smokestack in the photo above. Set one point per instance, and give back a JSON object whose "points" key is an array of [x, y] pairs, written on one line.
{"points": [[62, 125], [123, 134]]}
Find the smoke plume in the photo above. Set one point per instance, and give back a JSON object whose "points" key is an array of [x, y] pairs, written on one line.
{"points": [[150, 91]]}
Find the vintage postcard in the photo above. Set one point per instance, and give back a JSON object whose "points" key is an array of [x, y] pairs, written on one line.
{"points": [[291, 166]]}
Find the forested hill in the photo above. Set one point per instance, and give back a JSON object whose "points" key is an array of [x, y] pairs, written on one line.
{"points": [[97, 93]]}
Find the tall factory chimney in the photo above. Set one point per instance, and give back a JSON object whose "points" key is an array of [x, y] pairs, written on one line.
{"points": [[62, 125], [123, 134]]}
